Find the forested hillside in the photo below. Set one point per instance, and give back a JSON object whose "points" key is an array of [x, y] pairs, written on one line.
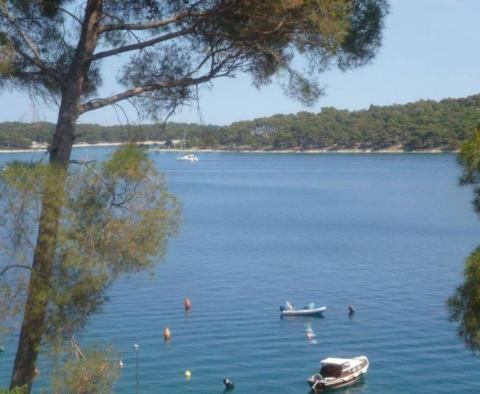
{"points": [[421, 125]]}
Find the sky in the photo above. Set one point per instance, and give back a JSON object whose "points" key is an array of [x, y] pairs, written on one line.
{"points": [[429, 51]]}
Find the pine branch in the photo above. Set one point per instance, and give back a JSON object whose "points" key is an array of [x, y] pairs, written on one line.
{"points": [[136, 91], [152, 24], [12, 266], [36, 59], [142, 44]]}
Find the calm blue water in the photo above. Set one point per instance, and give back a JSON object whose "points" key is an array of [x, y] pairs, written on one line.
{"points": [[387, 233]]}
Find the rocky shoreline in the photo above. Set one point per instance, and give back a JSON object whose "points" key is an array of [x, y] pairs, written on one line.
{"points": [[391, 150]]}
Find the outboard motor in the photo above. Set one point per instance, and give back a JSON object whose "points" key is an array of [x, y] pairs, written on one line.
{"points": [[282, 308]]}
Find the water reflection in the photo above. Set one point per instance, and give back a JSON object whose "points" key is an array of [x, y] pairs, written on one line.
{"points": [[310, 334]]}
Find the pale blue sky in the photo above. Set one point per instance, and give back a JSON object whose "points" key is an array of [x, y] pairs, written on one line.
{"points": [[430, 51]]}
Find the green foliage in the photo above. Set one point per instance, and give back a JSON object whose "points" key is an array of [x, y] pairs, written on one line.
{"points": [[6, 56], [197, 42], [94, 371], [21, 185], [469, 159], [464, 305], [16, 390], [14, 135], [421, 125], [116, 218], [107, 219]]}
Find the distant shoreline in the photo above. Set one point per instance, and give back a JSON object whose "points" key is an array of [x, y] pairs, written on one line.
{"points": [[394, 150]]}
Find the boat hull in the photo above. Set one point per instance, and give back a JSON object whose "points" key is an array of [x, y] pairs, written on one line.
{"points": [[187, 159], [321, 385], [305, 312]]}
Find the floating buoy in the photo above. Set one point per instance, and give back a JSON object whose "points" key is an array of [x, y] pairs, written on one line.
{"points": [[36, 372], [167, 335], [188, 374], [187, 304], [351, 309], [120, 364], [228, 384]]}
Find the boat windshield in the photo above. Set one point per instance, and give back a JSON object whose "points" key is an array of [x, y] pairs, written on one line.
{"points": [[331, 371]]}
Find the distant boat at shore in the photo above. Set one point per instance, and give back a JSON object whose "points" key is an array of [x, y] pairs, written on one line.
{"points": [[186, 156]]}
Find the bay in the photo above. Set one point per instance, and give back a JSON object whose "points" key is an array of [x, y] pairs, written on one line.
{"points": [[386, 233]]}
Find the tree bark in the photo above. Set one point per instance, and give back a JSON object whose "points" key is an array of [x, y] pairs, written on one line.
{"points": [[33, 325], [39, 286]]}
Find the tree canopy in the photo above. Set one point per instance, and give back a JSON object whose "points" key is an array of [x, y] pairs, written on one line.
{"points": [[165, 50], [171, 47], [417, 126], [464, 304], [116, 219]]}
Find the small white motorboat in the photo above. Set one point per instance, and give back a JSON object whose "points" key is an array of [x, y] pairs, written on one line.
{"points": [[338, 372], [310, 310], [188, 157]]}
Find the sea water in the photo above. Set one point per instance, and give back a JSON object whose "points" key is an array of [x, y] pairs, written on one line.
{"points": [[386, 233]]}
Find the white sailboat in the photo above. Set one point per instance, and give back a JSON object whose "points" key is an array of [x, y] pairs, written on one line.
{"points": [[186, 156]]}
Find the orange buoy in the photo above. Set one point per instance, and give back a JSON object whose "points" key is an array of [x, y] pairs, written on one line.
{"points": [[187, 303], [167, 335]]}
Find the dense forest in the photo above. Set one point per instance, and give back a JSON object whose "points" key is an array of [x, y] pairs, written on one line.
{"points": [[422, 125]]}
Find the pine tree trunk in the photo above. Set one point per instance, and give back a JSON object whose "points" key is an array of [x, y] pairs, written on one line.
{"points": [[35, 308], [33, 325]]}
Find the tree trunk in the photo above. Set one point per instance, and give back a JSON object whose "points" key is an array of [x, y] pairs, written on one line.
{"points": [[37, 299], [38, 291]]}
